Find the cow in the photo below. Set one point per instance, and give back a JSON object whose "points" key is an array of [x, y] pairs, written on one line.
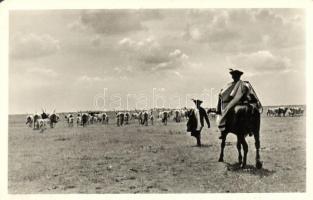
{"points": [[70, 120], [151, 118], [177, 116], [271, 112], [282, 111], [29, 120], [103, 117], [53, 118], [127, 117], [36, 117], [42, 124], [164, 115], [79, 119], [94, 119], [120, 118], [295, 111], [144, 118], [85, 119]]}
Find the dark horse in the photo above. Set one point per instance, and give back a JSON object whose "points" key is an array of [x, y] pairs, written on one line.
{"points": [[243, 120]]}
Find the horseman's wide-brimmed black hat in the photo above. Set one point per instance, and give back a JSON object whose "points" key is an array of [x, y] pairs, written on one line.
{"points": [[197, 101], [235, 72]]}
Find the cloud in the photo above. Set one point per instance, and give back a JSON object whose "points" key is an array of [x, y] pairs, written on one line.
{"points": [[111, 21], [33, 45], [246, 29], [90, 78], [96, 41], [77, 25], [115, 21], [151, 55], [147, 44], [174, 60], [260, 62], [46, 72]]}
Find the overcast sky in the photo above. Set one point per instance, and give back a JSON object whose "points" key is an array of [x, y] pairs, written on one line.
{"points": [[64, 59]]}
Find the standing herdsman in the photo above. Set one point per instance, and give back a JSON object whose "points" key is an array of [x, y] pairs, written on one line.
{"points": [[196, 121], [235, 93]]}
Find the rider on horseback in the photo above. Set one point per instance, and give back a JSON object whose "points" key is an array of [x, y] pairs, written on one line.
{"points": [[236, 93]]}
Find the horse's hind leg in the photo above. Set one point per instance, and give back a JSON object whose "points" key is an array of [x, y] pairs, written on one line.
{"points": [[221, 159], [239, 150], [257, 147], [245, 150]]}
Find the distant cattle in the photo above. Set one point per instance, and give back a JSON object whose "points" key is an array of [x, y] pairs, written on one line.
{"points": [[70, 120], [79, 119], [177, 116], [151, 118], [127, 117], [42, 124], [104, 118], [120, 118], [164, 115], [36, 117], [84, 119], [295, 111], [271, 112], [53, 119], [144, 118], [284, 111], [29, 120]]}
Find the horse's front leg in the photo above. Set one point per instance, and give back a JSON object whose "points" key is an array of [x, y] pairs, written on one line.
{"points": [[221, 159], [245, 150], [239, 150]]}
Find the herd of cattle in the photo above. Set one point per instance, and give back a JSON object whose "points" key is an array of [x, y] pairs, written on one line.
{"points": [[42, 121], [285, 111], [144, 118]]}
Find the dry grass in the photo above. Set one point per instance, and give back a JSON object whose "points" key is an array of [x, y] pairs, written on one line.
{"points": [[153, 159]]}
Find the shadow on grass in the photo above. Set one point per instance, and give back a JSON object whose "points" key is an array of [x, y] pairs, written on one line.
{"points": [[203, 146], [249, 169]]}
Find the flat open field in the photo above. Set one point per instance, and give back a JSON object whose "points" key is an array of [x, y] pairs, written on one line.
{"points": [[153, 159]]}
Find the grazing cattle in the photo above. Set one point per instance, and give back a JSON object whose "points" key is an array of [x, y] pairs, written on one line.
{"points": [[104, 118], [144, 117], [29, 120], [79, 120], [127, 117], [53, 119], [84, 119], [282, 111], [177, 116], [120, 119], [36, 118], [70, 120], [152, 119], [135, 115], [140, 117], [42, 124], [184, 113], [295, 111], [271, 112], [94, 119], [243, 120], [164, 115]]}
